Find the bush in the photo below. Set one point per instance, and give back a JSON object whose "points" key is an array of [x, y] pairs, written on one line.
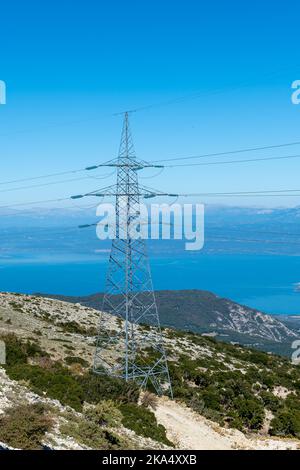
{"points": [[143, 422], [286, 423], [258, 357], [292, 402], [72, 327], [76, 360], [251, 412], [18, 352], [105, 413], [270, 401], [76, 328], [90, 430], [23, 427], [211, 398], [97, 388], [86, 433]]}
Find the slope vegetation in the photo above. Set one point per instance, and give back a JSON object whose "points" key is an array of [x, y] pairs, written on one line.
{"points": [[226, 396]]}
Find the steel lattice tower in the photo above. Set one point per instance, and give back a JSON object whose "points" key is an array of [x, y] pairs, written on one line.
{"points": [[134, 351]]}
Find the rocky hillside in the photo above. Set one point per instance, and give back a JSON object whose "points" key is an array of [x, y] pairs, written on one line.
{"points": [[204, 312], [225, 396]]}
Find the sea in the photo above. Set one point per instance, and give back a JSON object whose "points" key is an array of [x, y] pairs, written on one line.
{"points": [[264, 282]]}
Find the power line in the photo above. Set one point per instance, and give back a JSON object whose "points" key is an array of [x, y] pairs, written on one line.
{"points": [[54, 183], [283, 193], [260, 232], [108, 164], [199, 94], [16, 212], [190, 96], [241, 240], [219, 154], [50, 175], [111, 163], [35, 202], [209, 237], [241, 194], [260, 159], [151, 193], [249, 160]]}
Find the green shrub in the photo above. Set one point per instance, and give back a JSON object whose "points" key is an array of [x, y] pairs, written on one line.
{"points": [[286, 423], [257, 357], [86, 433], [74, 327], [292, 402], [212, 399], [251, 412], [90, 429], [143, 422], [236, 422], [101, 387], [18, 352], [69, 347], [24, 427], [213, 415], [270, 401], [105, 413], [56, 382]]}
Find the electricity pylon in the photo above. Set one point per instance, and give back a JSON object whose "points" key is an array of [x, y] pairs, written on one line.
{"points": [[133, 351]]}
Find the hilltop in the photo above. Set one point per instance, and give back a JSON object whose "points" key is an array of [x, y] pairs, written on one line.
{"points": [[225, 396]]}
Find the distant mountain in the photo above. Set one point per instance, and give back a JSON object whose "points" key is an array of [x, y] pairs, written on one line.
{"points": [[250, 215], [228, 229], [206, 313]]}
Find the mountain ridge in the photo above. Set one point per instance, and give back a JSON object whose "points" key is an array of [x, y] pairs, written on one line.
{"points": [[204, 312]]}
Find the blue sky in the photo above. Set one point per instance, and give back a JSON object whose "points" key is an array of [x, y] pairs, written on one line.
{"points": [[70, 65]]}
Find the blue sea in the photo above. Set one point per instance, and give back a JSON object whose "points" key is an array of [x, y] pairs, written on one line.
{"points": [[264, 282]]}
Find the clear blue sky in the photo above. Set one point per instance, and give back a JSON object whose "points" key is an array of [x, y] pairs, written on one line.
{"points": [[69, 65]]}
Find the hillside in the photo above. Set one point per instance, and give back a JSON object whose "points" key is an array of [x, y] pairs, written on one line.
{"points": [[226, 396], [204, 312]]}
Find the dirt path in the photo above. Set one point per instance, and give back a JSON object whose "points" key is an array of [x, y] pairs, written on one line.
{"points": [[191, 431]]}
